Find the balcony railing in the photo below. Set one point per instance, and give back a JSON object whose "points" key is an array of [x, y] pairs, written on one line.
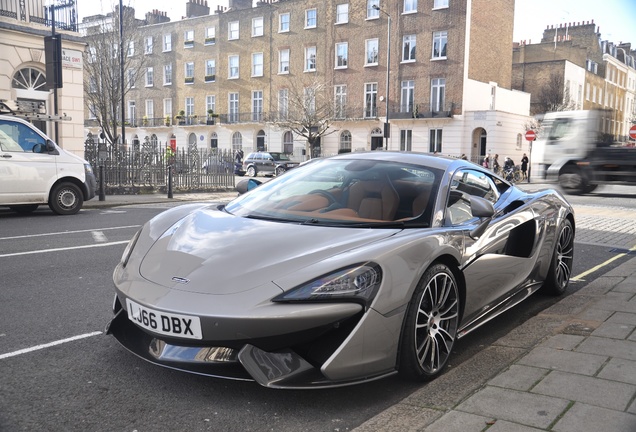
{"points": [[32, 11]]}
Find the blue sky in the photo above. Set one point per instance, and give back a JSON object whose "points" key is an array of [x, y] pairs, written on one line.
{"points": [[616, 18]]}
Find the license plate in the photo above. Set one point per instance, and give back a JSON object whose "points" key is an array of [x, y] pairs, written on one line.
{"points": [[170, 324]]}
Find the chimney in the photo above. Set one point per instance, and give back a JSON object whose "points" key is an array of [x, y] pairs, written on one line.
{"points": [[156, 17], [240, 4], [197, 8]]}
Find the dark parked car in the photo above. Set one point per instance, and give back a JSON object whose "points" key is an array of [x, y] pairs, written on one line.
{"points": [[267, 163], [218, 166]]}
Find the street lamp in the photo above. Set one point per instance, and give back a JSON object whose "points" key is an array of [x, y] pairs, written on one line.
{"points": [[387, 128]]}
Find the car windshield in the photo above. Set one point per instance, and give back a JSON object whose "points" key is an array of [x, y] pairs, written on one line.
{"points": [[345, 192]]}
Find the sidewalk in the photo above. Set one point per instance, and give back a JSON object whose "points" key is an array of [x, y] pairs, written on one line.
{"points": [[572, 368]]}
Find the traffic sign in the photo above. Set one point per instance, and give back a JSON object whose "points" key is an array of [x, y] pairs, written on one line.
{"points": [[531, 135], [632, 132]]}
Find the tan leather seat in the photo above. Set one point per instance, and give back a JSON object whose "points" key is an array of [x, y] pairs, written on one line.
{"points": [[421, 201], [374, 199]]}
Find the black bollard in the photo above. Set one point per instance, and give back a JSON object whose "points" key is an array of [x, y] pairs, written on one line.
{"points": [[169, 181], [102, 192]]}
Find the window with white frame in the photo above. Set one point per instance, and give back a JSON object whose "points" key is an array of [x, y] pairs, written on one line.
{"points": [[189, 106], [257, 105], [92, 85], [342, 13], [435, 141], [283, 104], [310, 59], [370, 100], [167, 42], [373, 9], [210, 103], [167, 74], [408, 48], [237, 141], [438, 4], [407, 96], [406, 140], [233, 107], [210, 70], [92, 54], [371, 52], [345, 142], [288, 142], [130, 74], [233, 67], [283, 22], [92, 112], [438, 90], [131, 49], [114, 51], [410, 6], [132, 112], [189, 72], [311, 18], [257, 64], [167, 107], [188, 38], [148, 46], [257, 26], [342, 55], [150, 77], [283, 61], [340, 101], [210, 36], [233, 30], [309, 100], [439, 44], [150, 108]]}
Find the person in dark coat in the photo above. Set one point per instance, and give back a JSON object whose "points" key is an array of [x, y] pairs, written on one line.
{"points": [[524, 166]]}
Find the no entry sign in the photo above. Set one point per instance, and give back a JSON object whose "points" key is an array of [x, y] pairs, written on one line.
{"points": [[531, 135], [632, 132]]}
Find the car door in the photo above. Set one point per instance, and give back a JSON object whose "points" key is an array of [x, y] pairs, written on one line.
{"points": [[26, 169], [496, 262], [268, 164]]}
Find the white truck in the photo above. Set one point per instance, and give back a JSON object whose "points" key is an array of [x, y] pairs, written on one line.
{"points": [[34, 170], [572, 150]]}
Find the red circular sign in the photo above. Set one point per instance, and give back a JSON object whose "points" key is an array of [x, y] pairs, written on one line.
{"points": [[531, 135], [632, 132]]}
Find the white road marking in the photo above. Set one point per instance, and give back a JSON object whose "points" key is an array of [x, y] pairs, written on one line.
{"points": [[63, 249], [99, 236], [48, 345], [69, 232]]}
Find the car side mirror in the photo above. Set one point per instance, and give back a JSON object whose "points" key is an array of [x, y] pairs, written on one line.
{"points": [[50, 147], [247, 185], [484, 210]]}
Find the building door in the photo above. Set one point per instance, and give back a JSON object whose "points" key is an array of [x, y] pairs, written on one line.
{"points": [[260, 141]]}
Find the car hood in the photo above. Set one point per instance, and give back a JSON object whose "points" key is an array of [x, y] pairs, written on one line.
{"points": [[213, 252]]}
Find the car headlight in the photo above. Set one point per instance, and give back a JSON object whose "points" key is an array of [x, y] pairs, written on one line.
{"points": [[129, 248], [358, 283], [88, 169]]}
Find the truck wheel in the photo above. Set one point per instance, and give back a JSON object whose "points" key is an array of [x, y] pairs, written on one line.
{"points": [[66, 199], [572, 181]]}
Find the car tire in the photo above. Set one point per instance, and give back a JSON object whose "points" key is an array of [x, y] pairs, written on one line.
{"points": [[66, 199], [558, 276], [24, 208], [251, 171], [279, 170], [430, 325]]}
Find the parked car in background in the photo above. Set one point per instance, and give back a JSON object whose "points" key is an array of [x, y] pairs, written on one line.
{"points": [[267, 163], [218, 166], [395, 256]]}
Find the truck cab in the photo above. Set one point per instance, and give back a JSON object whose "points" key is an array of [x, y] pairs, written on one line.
{"points": [[35, 171]]}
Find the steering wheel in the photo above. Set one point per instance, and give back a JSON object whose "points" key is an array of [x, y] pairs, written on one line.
{"points": [[330, 198]]}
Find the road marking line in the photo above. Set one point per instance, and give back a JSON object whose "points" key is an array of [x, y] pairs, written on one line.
{"points": [[99, 236], [48, 345], [68, 232], [595, 268], [64, 249]]}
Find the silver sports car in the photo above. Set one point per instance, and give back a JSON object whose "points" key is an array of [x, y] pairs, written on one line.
{"points": [[345, 270]]}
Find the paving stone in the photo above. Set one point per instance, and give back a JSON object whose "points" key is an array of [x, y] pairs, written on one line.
{"points": [[590, 390], [627, 286], [593, 314], [584, 418], [624, 349], [400, 417], [506, 426], [518, 377], [623, 318], [517, 407], [613, 330], [563, 342], [570, 305], [568, 361], [622, 296], [619, 370], [456, 421], [632, 409], [600, 285], [614, 304]]}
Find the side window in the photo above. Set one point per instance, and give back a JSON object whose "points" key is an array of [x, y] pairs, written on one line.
{"points": [[16, 137], [467, 183]]}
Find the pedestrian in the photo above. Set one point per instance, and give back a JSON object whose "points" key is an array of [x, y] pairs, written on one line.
{"points": [[463, 156], [524, 166], [509, 163], [486, 162], [495, 164]]}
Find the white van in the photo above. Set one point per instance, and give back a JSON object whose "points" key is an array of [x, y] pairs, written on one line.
{"points": [[34, 171]]}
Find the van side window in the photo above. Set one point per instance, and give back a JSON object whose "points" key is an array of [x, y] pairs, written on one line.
{"points": [[16, 137]]}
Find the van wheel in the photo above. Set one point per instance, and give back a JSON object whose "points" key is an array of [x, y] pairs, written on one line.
{"points": [[25, 208], [66, 199]]}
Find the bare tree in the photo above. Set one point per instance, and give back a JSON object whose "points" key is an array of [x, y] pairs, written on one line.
{"points": [[555, 96], [308, 112], [102, 69]]}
